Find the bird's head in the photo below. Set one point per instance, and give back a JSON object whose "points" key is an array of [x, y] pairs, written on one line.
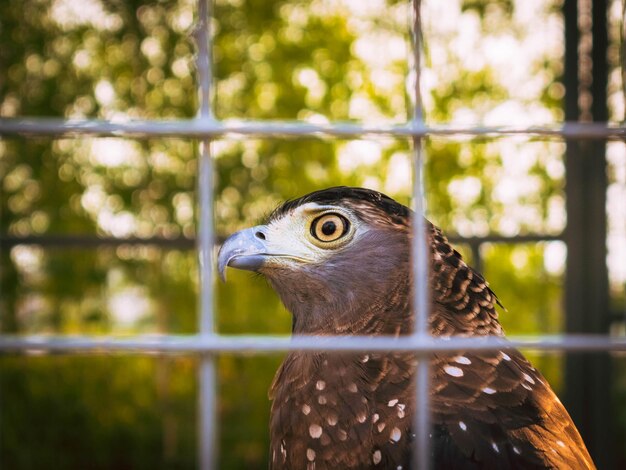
{"points": [[332, 256]]}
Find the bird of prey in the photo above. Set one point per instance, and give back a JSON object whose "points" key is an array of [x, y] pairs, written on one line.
{"points": [[340, 261]]}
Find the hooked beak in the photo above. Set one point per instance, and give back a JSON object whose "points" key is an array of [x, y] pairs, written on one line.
{"points": [[243, 250]]}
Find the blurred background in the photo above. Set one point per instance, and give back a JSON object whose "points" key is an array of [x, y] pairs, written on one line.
{"points": [[97, 234]]}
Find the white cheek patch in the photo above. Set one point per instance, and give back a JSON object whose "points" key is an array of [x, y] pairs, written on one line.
{"points": [[286, 237]]}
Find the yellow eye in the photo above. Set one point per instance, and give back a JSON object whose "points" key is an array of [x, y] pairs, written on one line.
{"points": [[329, 227]]}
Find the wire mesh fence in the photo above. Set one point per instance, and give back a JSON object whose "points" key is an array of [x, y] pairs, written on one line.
{"points": [[208, 343]]}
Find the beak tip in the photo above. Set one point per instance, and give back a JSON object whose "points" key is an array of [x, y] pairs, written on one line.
{"points": [[222, 263]]}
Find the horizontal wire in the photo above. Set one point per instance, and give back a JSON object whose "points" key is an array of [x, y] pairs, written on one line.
{"points": [[94, 241], [181, 242], [207, 127], [247, 344]]}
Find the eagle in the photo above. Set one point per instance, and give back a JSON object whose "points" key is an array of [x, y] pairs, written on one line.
{"points": [[339, 259]]}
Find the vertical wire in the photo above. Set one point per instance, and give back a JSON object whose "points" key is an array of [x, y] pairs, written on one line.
{"points": [[421, 419], [207, 419], [207, 374], [204, 59]]}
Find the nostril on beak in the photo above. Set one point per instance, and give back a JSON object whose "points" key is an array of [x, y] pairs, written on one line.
{"points": [[260, 235]]}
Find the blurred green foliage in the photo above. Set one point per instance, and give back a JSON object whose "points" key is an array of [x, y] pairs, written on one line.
{"points": [[98, 412], [273, 59]]}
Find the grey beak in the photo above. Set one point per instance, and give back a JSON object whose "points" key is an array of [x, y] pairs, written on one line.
{"points": [[243, 250]]}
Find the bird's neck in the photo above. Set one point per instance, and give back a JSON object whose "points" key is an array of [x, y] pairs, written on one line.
{"points": [[322, 307]]}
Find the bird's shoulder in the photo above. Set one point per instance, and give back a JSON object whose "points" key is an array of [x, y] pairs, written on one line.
{"points": [[463, 302]]}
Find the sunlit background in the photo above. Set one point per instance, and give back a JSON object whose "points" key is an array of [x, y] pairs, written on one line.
{"points": [[497, 62]]}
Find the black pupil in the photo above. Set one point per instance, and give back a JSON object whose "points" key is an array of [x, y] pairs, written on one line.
{"points": [[328, 228]]}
